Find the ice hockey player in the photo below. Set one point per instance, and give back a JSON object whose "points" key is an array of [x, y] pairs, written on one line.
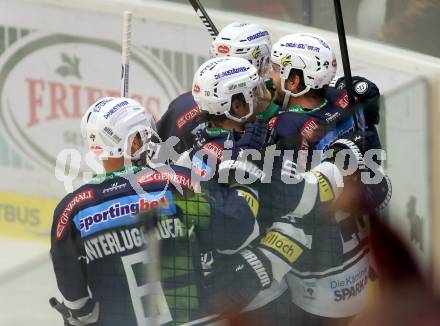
{"points": [[305, 237], [183, 118], [313, 114], [313, 117], [98, 243], [231, 93], [227, 106], [320, 246]]}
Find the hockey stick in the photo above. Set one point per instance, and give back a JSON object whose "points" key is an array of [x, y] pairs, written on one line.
{"points": [[346, 61], [54, 303], [203, 15], [126, 43]]}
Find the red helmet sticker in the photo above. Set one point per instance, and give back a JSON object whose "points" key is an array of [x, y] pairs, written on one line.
{"points": [[223, 49], [196, 88]]}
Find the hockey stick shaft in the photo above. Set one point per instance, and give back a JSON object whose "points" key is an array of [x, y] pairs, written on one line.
{"points": [[344, 51], [346, 64], [204, 17], [126, 44]]}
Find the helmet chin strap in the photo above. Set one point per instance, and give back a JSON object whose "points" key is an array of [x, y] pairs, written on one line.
{"points": [[288, 93], [286, 100]]}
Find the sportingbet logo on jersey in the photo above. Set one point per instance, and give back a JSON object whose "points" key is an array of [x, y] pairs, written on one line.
{"points": [[122, 211]]}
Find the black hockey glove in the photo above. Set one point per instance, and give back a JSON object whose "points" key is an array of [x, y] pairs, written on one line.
{"points": [[254, 137], [350, 146], [376, 185], [65, 313], [238, 280], [364, 89]]}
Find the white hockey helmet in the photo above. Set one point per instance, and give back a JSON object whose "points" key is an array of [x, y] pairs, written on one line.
{"points": [[309, 53], [109, 125], [247, 41], [218, 79]]}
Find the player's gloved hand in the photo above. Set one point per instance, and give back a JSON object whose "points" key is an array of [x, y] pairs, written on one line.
{"points": [[349, 146], [238, 280], [374, 187], [65, 312], [364, 89], [379, 193], [254, 137]]}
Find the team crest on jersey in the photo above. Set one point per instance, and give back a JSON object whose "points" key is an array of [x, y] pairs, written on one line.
{"points": [[63, 218], [309, 290]]}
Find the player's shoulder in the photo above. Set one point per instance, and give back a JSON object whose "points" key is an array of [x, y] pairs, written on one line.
{"points": [[182, 111], [211, 140], [184, 97], [86, 192], [70, 204], [287, 121], [164, 177], [336, 98], [214, 146], [182, 102]]}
